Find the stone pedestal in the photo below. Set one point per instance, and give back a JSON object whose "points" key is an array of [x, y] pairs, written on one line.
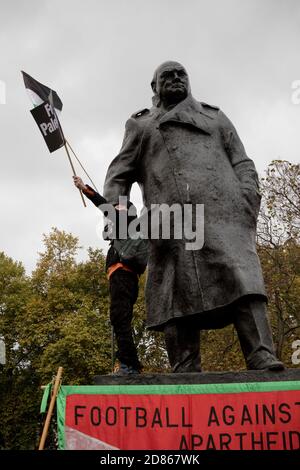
{"points": [[200, 378]]}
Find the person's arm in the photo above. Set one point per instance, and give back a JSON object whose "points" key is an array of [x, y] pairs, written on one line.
{"points": [[115, 215], [89, 192]]}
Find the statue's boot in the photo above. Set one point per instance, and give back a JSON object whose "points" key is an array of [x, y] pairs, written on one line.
{"points": [[254, 332], [183, 346]]}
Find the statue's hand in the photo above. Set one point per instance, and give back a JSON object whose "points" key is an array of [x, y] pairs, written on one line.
{"points": [[252, 198]]}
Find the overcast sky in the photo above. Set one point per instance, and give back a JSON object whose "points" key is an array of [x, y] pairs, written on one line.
{"points": [[99, 55]]}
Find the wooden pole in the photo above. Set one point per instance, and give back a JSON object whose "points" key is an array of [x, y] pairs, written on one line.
{"points": [[51, 407], [68, 144], [74, 173], [112, 348], [65, 142]]}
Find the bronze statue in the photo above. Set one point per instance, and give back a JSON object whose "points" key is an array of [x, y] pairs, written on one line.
{"points": [[183, 151]]}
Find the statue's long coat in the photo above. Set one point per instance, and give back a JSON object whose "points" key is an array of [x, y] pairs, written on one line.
{"points": [[193, 154]]}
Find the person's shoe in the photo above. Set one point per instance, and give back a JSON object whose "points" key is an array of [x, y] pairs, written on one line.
{"points": [[264, 360], [125, 370]]}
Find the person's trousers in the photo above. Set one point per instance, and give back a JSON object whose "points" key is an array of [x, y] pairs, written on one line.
{"points": [[123, 294], [249, 316]]}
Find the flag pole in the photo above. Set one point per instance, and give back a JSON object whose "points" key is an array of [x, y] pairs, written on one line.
{"points": [[51, 101], [68, 144], [112, 348], [51, 407], [73, 169]]}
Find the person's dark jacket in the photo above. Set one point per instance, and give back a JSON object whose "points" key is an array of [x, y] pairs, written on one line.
{"points": [[112, 256]]}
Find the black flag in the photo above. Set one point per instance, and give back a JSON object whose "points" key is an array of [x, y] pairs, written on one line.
{"points": [[47, 120], [47, 103], [38, 93]]}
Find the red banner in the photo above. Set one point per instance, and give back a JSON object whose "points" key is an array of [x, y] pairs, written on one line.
{"points": [[222, 421]]}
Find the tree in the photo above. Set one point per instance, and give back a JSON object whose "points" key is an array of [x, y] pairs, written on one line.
{"points": [[69, 311], [279, 250], [19, 384], [59, 316], [280, 211]]}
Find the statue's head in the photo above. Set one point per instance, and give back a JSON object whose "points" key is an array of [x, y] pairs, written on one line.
{"points": [[170, 84]]}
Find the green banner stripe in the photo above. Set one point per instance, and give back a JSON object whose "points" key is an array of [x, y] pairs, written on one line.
{"points": [[179, 389], [46, 394], [61, 414]]}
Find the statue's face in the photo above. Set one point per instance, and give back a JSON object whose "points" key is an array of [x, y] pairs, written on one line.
{"points": [[172, 83]]}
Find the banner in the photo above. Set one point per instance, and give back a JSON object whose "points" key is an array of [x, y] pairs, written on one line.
{"points": [[47, 121], [47, 105], [244, 416]]}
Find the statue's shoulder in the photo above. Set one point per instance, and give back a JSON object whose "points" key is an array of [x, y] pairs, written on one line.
{"points": [[136, 123], [141, 113], [211, 106]]}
